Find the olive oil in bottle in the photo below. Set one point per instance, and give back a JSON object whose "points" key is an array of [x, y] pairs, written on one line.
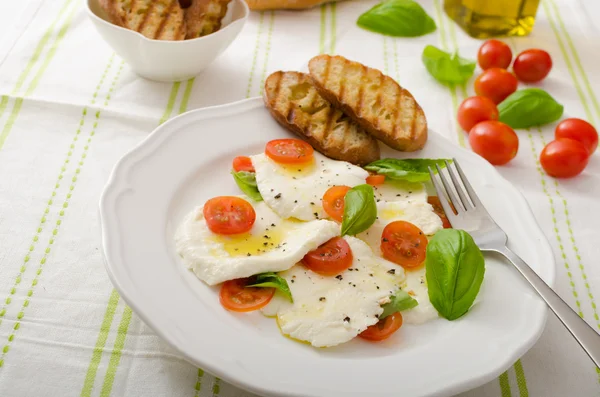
{"points": [[492, 18]]}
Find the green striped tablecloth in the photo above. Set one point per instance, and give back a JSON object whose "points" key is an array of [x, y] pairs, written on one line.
{"points": [[70, 108]]}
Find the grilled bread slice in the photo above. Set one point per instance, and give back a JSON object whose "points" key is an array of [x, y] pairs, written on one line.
{"points": [[155, 19], [375, 101], [295, 103], [204, 17]]}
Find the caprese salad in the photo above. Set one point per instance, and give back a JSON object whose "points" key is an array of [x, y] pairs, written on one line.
{"points": [[331, 250]]}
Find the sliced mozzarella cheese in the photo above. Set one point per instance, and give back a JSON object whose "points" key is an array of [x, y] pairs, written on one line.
{"points": [[272, 244], [400, 191], [330, 310], [296, 191], [416, 286]]}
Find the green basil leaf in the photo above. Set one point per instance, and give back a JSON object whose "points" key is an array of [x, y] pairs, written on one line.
{"points": [[360, 211], [410, 170], [272, 280], [454, 268], [445, 67], [401, 18], [528, 108], [399, 302], [246, 181]]}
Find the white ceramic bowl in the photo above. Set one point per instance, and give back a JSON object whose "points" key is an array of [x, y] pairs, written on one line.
{"points": [[169, 61]]}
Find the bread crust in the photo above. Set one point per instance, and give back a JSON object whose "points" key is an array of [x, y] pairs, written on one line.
{"points": [[373, 100], [204, 17], [260, 5], [295, 104]]}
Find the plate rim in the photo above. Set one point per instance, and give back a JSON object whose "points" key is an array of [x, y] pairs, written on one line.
{"points": [[151, 143]]}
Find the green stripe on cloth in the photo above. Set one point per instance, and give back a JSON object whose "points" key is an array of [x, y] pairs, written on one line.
{"points": [[57, 184], [577, 60], [573, 242], [323, 29], [36, 79], [567, 60], [62, 211], [521, 381], [198, 386], [115, 356], [216, 388], [267, 53], [385, 57], [504, 385], [559, 241], [255, 57], [34, 57], [333, 28], [90, 377], [186, 95], [113, 301]]}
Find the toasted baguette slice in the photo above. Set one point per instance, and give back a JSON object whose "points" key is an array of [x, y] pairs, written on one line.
{"points": [[204, 17], [295, 104], [260, 5], [375, 101], [155, 19]]}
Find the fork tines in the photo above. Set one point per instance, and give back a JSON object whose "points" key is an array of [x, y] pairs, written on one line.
{"points": [[456, 195]]}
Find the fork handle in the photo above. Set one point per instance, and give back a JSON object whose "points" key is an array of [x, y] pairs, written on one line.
{"points": [[585, 335]]}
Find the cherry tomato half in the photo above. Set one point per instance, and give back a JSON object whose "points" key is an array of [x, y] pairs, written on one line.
{"points": [[439, 210], [496, 84], [564, 158], [375, 180], [474, 110], [494, 141], [383, 329], [289, 151], [331, 258], [579, 130], [229, 215], [235, 296], [532, 65], [242, 163], [333, 202], [404, 244], [494, 54]]}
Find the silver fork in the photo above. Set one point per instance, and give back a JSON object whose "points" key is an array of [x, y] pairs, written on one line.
{"points": [[472, 217]]}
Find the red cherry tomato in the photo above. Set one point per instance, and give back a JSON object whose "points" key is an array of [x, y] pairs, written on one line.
{"points": [[564, 158], [496, 84], [474, 110], [494, 54], [333, 202], [404, 244], [289, 151], [579, 130], [331, 258], [532, 65], [242, 163], [494, 141], [235, 296], [439, 210], [375, 180], [229, 215], [383, 329]]}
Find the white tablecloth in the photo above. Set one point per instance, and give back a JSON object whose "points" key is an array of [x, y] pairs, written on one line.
{"points": [[70, 108]]}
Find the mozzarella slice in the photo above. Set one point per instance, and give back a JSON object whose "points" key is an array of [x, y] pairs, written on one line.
{"points": [[416, 286], [296, 191], [272, 245], [330, 310], [400, 191]]}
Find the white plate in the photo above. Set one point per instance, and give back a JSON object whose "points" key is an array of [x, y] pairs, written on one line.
{"points": [[187, 160]]}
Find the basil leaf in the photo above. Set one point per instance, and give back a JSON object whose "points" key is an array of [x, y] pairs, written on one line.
{"points": [[454, 268], [411, 170], [402, 18], [272, 280], [360, 211], [399, 302], [445, 67], [529, 107], [246, 181]]}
